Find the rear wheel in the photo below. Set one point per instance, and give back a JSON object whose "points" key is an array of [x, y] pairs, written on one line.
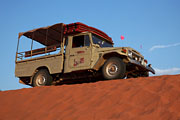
{"points": [[42, 78], [114, 68]]}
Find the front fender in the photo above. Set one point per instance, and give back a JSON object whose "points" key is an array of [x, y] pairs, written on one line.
{"points": [[102, 59], [99, 63]]}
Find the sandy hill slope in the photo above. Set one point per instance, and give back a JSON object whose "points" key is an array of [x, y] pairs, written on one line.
{"points": [[153, 98]]}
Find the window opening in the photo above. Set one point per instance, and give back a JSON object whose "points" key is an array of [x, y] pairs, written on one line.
{"points": [[80, 41]]}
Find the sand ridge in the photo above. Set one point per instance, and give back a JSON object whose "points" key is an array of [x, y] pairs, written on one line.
{"points": [[152, 98]]}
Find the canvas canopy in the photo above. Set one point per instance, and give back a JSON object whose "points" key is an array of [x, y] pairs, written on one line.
{"points": [[53, 35], [47, 36]]}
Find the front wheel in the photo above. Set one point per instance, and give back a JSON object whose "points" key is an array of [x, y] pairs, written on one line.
{"points": [[42, 78], [114, 68]]}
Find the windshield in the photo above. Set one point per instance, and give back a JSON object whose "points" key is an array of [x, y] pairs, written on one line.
{"points": [[100, 41]]}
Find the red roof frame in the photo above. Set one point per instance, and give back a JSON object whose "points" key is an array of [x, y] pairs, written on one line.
{"points": [[80, 27]]}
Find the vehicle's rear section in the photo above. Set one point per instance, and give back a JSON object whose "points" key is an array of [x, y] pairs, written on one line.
{"points": [[39, 49]]}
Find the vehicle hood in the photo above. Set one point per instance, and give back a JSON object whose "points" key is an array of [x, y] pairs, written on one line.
{"points": [[109, 49]]}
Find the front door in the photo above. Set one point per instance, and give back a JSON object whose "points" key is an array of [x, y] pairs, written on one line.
{"points": [[79, 57]]}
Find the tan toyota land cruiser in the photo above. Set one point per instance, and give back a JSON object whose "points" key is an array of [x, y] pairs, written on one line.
{"points": [[74, 51]]}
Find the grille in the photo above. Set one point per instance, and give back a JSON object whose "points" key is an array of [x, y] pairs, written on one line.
{"points": [[138, 59]]}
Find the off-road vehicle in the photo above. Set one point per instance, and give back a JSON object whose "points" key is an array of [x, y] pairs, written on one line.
{"points": [[74, 51]]}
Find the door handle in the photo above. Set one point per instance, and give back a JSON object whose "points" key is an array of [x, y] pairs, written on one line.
{"points": [[71, 55]]}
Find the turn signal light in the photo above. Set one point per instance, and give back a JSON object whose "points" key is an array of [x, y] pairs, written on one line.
{"points": [[146, 61], [124, 50]]}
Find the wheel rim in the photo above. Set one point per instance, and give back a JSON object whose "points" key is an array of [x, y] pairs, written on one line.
{"points": [[111, 69], [40, 80]]}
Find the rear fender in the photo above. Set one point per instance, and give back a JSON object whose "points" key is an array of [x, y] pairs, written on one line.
{"points": [[31, 78]]}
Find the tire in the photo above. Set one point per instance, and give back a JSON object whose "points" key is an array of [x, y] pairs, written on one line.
{"points": [[114, 68], [42, 78]]}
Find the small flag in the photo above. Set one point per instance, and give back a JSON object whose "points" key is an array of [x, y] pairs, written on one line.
{"points": [[122, 37], [141, 46]]}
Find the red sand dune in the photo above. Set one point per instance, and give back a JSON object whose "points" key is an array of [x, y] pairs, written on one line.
{"points": [[153, 98]]}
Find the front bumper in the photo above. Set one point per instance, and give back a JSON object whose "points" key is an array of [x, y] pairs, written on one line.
{"points": [[147, 68]]}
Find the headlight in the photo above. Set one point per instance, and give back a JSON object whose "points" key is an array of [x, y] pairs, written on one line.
{"points": [[143, 63], [136, 58], [129, 53]]}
